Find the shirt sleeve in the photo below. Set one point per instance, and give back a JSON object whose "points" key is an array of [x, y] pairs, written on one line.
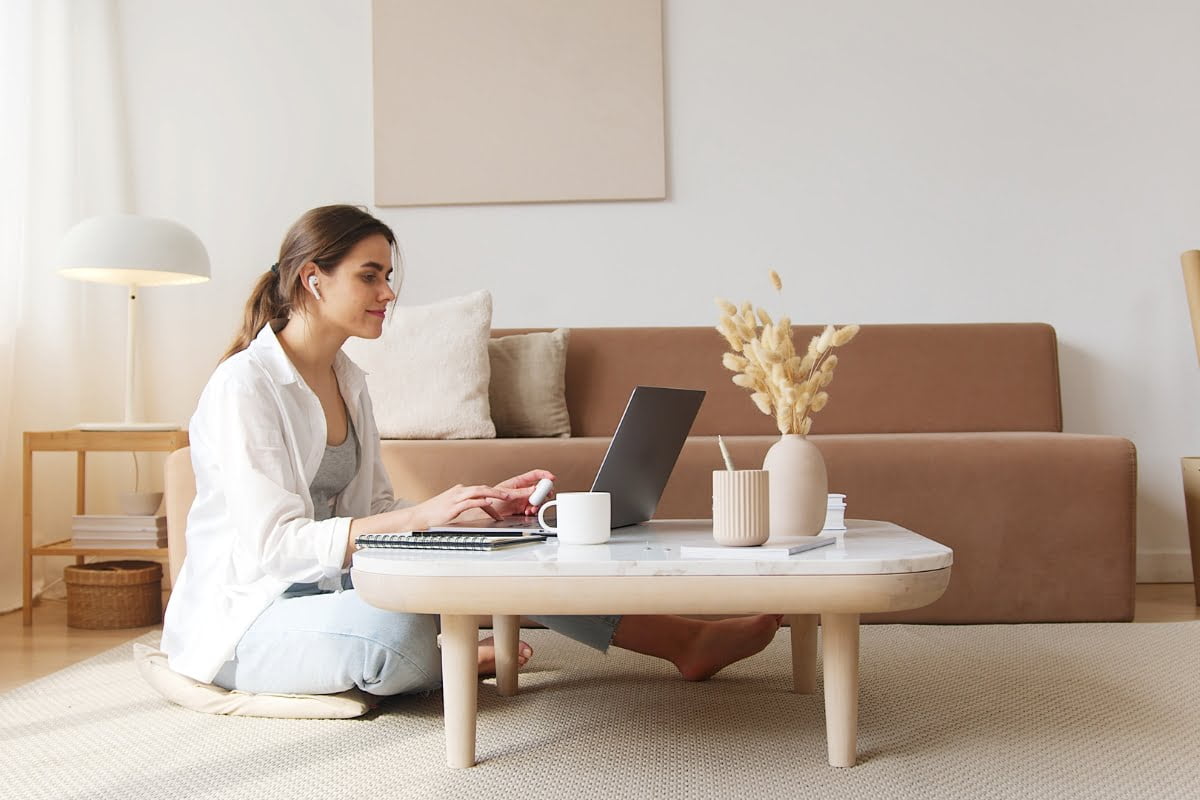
{"points": [[260, 479]]}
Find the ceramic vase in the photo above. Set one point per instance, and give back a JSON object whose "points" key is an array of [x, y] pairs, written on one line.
{"points": [[799, 487]]}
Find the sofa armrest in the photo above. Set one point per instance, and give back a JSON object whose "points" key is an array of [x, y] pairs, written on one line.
{"points": [[179, 490]]}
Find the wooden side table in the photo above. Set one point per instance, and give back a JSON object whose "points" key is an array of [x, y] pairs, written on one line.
{"points": [[81, 442]]}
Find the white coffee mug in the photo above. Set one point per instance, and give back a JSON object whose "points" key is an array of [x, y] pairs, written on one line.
{"points": [[583, 517]]}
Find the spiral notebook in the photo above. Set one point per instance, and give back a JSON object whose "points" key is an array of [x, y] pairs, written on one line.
{"points": [[451, 541]]}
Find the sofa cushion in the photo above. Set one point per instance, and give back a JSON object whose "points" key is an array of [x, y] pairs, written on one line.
{"points": [[1042, 524], [527, 392], [429, 372]]}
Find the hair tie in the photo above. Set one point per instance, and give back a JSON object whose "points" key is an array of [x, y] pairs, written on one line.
{"points": [[275, 268]]}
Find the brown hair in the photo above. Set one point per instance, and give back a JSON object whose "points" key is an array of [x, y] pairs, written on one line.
{"points": [[323, 236]]}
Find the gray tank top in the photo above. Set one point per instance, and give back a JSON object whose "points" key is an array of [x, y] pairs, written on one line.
{"points": [[338, 467]]}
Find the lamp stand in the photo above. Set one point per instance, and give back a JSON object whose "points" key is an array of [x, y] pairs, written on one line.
{"points": [[130, 347]]}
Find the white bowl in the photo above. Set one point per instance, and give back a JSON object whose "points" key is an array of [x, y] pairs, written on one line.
{"points": [[140, 504]]}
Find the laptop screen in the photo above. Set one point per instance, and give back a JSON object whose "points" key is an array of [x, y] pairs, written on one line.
{"points": [[644, 449], [639, 461]]}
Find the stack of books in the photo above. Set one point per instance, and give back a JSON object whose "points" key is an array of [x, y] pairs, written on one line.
{"points": [[108, 530]]}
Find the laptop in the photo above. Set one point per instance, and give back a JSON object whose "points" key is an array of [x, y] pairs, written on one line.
{"points": [[634, 472]]}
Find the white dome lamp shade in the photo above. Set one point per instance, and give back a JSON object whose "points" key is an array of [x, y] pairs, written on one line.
{"points": [[132, 251]]}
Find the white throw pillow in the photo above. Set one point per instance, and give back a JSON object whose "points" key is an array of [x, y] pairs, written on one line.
{"points": [[209, 699], [428, 374]]}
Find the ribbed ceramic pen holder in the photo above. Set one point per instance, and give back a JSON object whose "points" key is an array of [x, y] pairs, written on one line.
{"points": [[741, 507]]}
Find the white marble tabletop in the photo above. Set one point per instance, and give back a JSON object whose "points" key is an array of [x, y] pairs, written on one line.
{"points": [[866, 548]]}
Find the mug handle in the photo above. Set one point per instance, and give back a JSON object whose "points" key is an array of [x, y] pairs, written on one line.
{"points": [[542, 516]]}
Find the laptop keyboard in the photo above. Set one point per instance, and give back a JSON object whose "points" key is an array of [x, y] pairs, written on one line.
{"points": [[516, 522]]}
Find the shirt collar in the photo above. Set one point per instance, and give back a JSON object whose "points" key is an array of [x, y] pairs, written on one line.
{"points": [[270, 353]]}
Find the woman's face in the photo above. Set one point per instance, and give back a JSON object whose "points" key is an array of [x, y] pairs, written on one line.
{"points": [[355, 297]]}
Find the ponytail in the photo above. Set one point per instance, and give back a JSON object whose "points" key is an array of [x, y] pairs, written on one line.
{"points": [[264, 305]]}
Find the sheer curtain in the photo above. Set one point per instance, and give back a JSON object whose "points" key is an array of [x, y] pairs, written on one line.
{"points": [[63, 156]]}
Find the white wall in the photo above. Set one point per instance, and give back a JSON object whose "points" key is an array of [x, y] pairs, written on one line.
{"points": [[918, 161]]}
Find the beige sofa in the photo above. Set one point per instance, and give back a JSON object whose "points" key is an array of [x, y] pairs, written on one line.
{"points": [[954, 431]]}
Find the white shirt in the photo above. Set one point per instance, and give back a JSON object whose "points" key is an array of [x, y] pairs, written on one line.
{"points": [[257, 439]]}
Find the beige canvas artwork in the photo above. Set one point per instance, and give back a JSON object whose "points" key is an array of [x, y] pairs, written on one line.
{"points": [[499, 101]]}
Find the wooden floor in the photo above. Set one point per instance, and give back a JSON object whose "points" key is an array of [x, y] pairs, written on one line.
{"points": [[49, 645]]}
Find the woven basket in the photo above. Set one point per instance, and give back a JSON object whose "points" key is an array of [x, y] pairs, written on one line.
{"points": [[114, 594]]}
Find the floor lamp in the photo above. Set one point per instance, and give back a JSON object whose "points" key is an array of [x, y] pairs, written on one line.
{"points": [[132, 251]]}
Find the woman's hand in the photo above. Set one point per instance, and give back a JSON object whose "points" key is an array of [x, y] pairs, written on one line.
{"points": [[519, 489], [446, 506], [438, 510], [507, 498]]}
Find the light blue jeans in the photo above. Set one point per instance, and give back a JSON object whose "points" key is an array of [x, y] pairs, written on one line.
{"points": [[310, 642]]}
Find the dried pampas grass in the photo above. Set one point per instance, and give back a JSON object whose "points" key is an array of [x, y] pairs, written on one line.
{"points": [[783, 384]]}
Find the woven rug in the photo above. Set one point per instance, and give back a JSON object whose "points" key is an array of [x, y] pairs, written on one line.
{"points": [[1021, 711]]}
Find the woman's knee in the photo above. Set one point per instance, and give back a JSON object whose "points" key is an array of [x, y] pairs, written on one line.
{"points": [[401, 658]]}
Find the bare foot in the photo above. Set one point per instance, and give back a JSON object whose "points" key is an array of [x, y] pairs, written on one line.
{"points": [[722, 642], [487, 656]]}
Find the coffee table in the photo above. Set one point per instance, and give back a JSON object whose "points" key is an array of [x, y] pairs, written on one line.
{"points": [[874, 566]]}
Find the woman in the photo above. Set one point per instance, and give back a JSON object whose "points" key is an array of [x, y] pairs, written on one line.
{"points": [[288, 472]]}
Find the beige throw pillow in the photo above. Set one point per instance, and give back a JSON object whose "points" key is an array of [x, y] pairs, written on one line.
{"points": [[209, 699], [528, 387], [428, 374]]}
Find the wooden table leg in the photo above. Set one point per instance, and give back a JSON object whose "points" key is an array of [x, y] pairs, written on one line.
{"points": [[840, 655], [507, 630], [460, 678], [803, 628], [27, 534]]}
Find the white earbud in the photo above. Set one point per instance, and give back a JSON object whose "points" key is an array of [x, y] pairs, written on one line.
{"points": [[541, 492], [312, 284]]}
